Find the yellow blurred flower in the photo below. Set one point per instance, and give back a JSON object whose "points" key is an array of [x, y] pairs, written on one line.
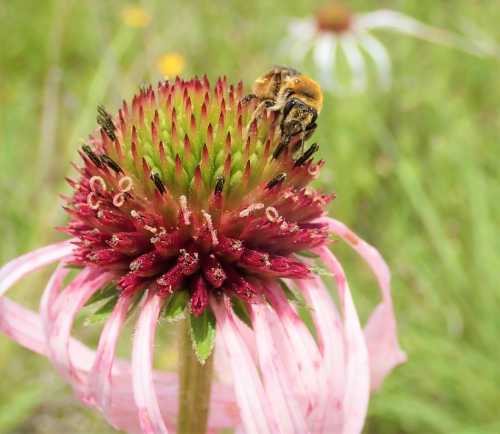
{"points": [[171, 64], [135, 16]]}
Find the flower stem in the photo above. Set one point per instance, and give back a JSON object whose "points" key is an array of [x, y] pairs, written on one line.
{"points": [[194, 386]]}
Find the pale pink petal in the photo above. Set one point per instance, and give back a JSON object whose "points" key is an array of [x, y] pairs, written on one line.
{"points": [[22, 325], [19, 267], [50, 294], [288, 414], [331, 341], [381, 330], [123, 411], [377, 51], [67, 305], [145, 394], [253, 402], [246, 333], [100, 376], [325, 56], [357, 387], [356, 61], [399, 22], [25, 327], [296, 343]]}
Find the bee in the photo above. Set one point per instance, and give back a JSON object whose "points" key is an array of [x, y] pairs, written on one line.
{"points": [[296, 97]]}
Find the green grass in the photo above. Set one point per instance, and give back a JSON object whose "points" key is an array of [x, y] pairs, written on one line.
{"points": [[416, 170]]}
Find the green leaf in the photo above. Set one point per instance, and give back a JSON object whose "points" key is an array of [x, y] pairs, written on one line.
{"points": [[303, 309], [135, 302], [74, 267], [308, 254], [294, 296], [321, 271], [241, 310], [102, 314], [290, 294], [203, 334], [105, 292], [176, 306]]}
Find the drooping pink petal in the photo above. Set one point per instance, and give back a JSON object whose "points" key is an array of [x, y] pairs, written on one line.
{"points": [[21, 325], [296, 343], [380, 331], [67, 305], [331, 340], [357, 375], [49, 296], [252, 400], [288, 414], [100, 376], [19, 267], [24, 326], [145, 394]]}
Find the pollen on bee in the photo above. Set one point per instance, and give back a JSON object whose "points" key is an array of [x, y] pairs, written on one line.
{"points": [[186, 214], [251, 208], [97, 182], [125, 184], [210, 225]]}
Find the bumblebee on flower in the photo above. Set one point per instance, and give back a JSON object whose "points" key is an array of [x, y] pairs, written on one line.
{"points": [[183, 209]]}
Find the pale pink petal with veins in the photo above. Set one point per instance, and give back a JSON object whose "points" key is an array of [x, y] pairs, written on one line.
{"points": [[381, 330]]}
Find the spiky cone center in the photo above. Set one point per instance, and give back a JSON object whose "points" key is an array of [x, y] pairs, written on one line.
{"points": [[334, 17], [177, 191]]}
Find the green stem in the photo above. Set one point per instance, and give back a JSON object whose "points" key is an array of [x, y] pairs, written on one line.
{"points": [[194, 386]]}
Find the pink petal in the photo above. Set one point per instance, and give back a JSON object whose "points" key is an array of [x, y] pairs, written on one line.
{"points": [[380, 331], [24, 326], [357, 387], [296, 343], [50, 294], [19, 267], [146, 399], [277, 381], [331, 341], [67, 305], [253, 402], [100, 376]]}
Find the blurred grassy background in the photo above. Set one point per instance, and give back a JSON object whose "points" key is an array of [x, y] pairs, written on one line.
{"points": [[416, 170]]}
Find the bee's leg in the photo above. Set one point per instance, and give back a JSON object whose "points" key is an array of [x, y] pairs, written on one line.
{"points": [[285, 140], [309, 131], [261, 108], [302, 140], [306, 155], [247, 99]]}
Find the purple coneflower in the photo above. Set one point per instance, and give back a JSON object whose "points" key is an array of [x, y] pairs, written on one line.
{"points": [[335, 32], [180, 211]]}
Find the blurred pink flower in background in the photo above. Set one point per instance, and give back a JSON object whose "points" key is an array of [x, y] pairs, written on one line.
{"points": [[180, 210], [336, 33]]}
